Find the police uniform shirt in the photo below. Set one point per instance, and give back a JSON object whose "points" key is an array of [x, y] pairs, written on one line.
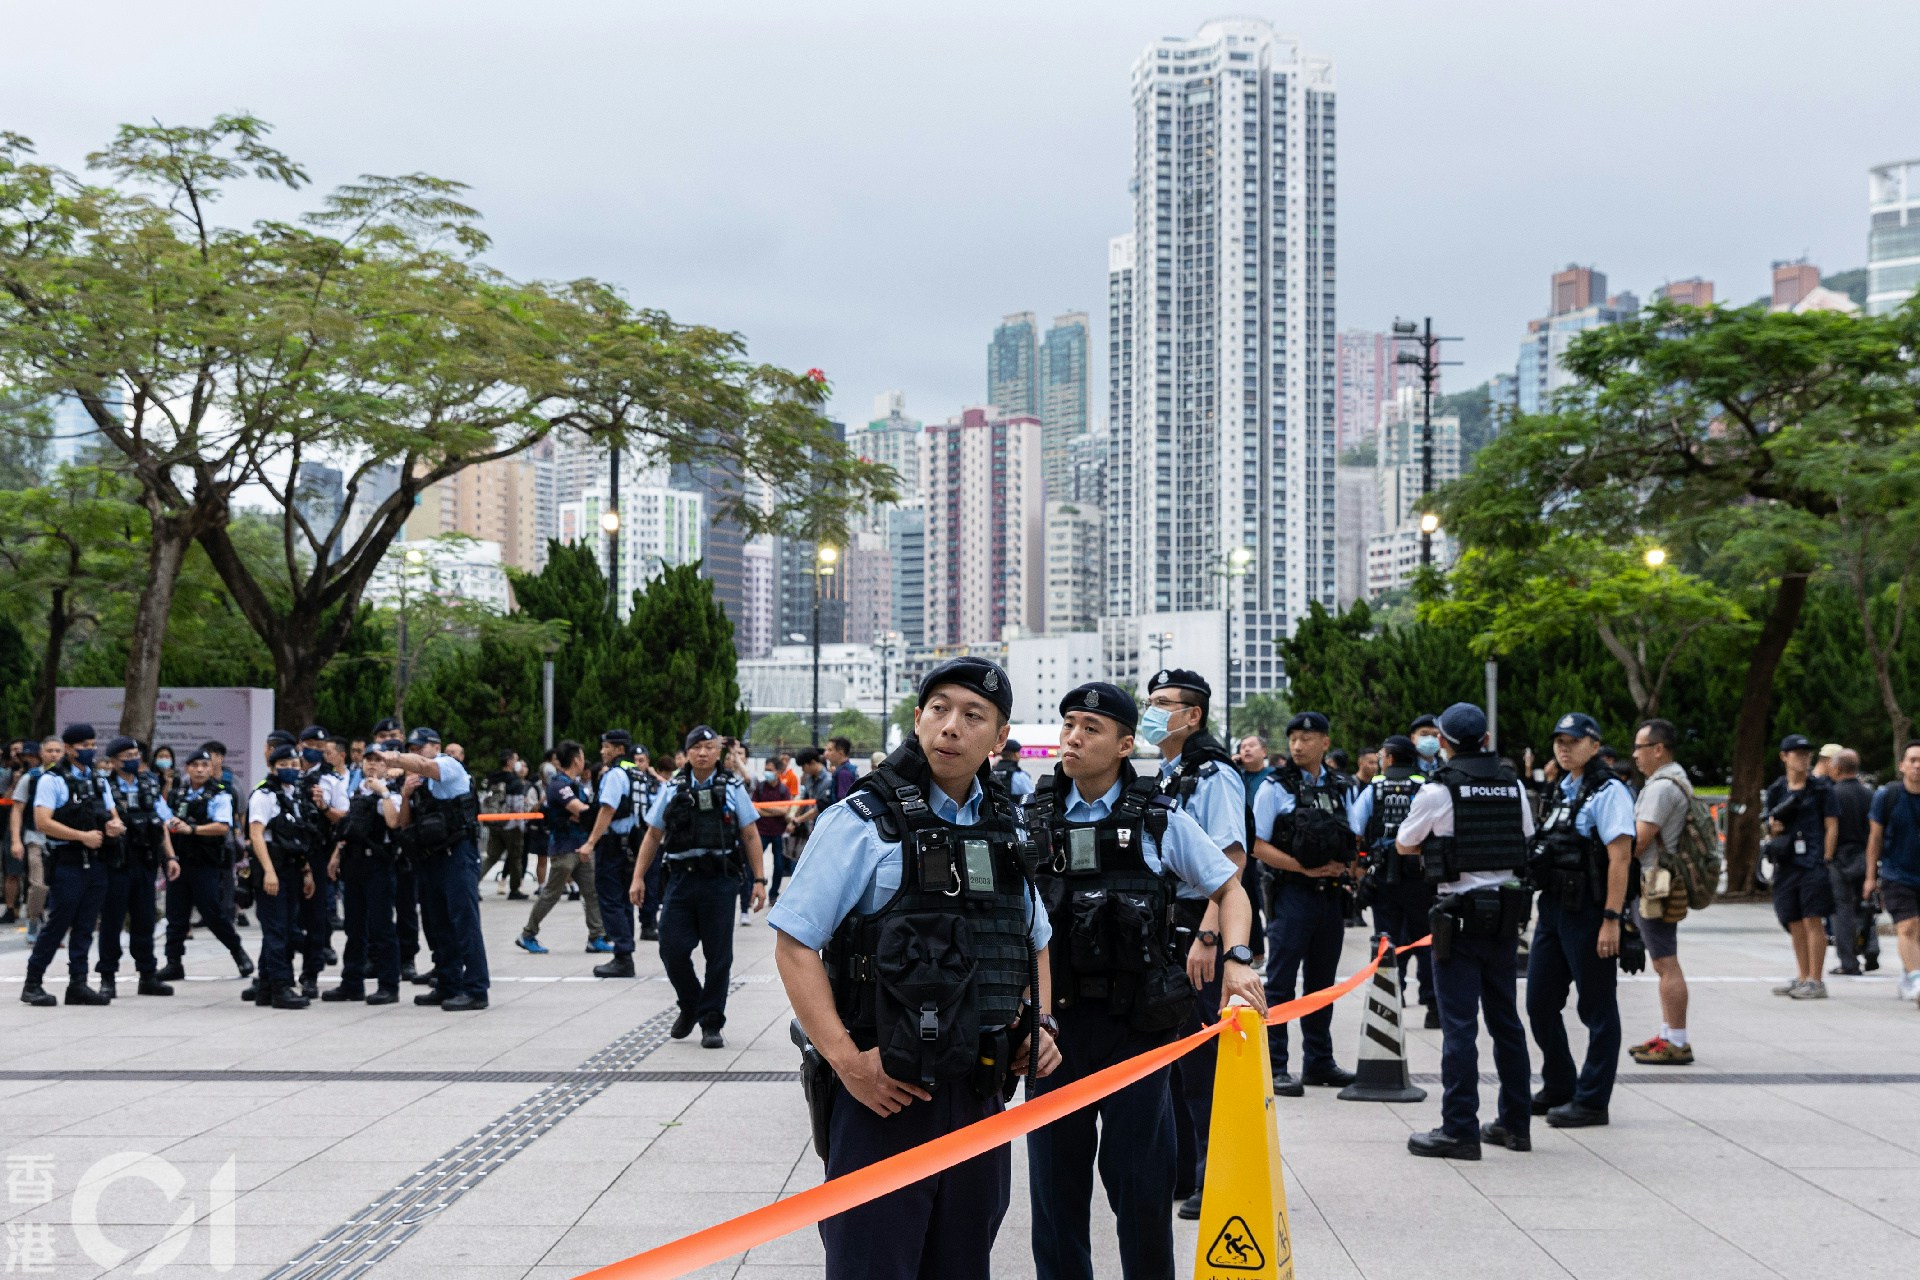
{"points": [[1186, 851], [1219, 805], [263, 806], [219, 802], [452, 782], [737, 799], [615, 786], [1020, 782], [53, 793], [848, 866], [160, 807], [1275, 801], [1360, 807], [1431, 814], [1608, 812], [334, 791]]}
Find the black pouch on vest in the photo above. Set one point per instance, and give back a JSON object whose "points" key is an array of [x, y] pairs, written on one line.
{"points": [[1162, 1000], [925, 1009], [1089, 941], [1516, 908], [429, 834], [1134, 932]]}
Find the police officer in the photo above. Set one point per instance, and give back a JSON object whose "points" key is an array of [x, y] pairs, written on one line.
{"points": [[363, 861], [700, 823], [1469, 829], [201, 825], [131, 863], [1111, 848], [439, 816], [610, 844], [1402, 898], [925, 852], [280, 831], [1197, 773], [648, 783], [387, 737], [73, 807], [1301, 830], [1582, 859], [1009, 773], [326, 785]]}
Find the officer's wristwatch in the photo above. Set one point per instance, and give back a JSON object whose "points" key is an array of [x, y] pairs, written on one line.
{"points": [[1207, 938], [1607, 914], [1239, 955], [1049, 1024]]}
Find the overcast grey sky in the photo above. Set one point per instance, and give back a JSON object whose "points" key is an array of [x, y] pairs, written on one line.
{"points": [[868, 187]]}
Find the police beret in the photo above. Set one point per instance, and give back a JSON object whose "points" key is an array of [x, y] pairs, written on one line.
{"points": [[200, 755], [1399, 745], [421, 735], [1577, 724], [1103, 699], [1423, 722], [282, 752], [698, 734], [116, 745], [1309, 722], [619, 737], [314, 733], [1463, 723], [389, 725], [976, 675], [639, 750], [1179, 678], [75, 734], [280, 738], [1011, 749]]}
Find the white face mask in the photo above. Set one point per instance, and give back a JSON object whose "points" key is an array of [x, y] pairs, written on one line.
{"points": [[1427, 745]]}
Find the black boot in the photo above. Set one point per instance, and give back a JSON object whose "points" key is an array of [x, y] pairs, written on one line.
{"points": [[310, 988], [38, 996], [252, 993], [345, 991], [621, 966], [172, 971], [150, 985], [419, 979], [649, 933], [244, 965], [287, 996], [109, 986], [384, 995], [81, 993], [407, 973]]}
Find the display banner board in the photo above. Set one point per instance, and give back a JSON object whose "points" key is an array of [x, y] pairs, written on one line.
{"points": [[183, 719]]}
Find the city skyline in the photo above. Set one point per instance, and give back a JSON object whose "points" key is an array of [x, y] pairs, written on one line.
{"points": [[809, 227]]}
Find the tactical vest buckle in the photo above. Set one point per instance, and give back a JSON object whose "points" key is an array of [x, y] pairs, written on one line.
{"points": [[929, 1022]]}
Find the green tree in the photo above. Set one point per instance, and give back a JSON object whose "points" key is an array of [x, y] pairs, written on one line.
{"points": [[672, 665], [856, 726], [1265, 714], [781, 729]]}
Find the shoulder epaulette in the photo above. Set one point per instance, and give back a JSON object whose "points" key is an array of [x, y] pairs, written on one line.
{"points": [[1207, 769], [866, 804]]}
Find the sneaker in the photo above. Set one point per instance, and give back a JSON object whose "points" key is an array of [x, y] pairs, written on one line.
{"points": [[745, 919], [1662, 1053], [1810, 991], [1787, 989], [530, 945], [599, 946], [33, 931]]}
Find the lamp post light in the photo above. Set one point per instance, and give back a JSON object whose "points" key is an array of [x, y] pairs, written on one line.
{"points": [[610, 525], [1427, 360], [824, 558], [887, 640], [1160, 640], [1238, 561], [1655, 557]]}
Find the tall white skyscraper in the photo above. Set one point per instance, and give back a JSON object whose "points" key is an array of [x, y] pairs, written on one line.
{"points": [[1226, 352]]}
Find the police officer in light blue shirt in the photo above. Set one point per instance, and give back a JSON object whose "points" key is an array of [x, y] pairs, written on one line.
{"points": [[617, 808], [1108, 836], [703, 824], [143, 851], [73, 807], [927, 840], [1583, 854], [447, 874]]}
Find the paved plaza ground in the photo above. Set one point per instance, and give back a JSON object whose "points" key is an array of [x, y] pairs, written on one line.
{"points": [[1791, 1149]]}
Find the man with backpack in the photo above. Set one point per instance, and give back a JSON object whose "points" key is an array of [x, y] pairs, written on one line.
{"points": [[1660, 820]]}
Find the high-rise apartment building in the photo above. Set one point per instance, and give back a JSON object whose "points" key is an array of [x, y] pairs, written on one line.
{"points": [[1227, 437], [1578, 305], [1577, 288], [1399, 459], [753, 638], [1013, 375], [1063, 396], [1366, 376], [1893, 235], [907, 559], [1076, 532], [1792, 281], [868, 568], [796, 568], [985, 520], [1687, 293], [496, 501], [659, 526], [1087, 472]]}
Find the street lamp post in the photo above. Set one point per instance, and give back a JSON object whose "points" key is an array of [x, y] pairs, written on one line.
{"points": [[1238, 560], [410, 564], [887, 640], [823, 561], [610, 521], [1429, 363]]}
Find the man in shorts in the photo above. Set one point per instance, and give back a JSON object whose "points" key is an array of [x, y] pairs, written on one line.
{"points": [[1659, 818], [1893, 863], [1804, 833]]}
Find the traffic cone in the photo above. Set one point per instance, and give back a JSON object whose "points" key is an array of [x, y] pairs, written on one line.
{"points": [[1243, 1210], [1381, 1073]]}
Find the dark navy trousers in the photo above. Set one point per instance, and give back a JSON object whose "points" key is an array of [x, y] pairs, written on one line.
{"points": [[129, 900], [74, 896], [200, 888], [406, 910], [277, 914], [1128, 1135], [940, 1228], [612, 881], [1400, 911], [656, 882], [372, 950], [700, 912], [1564, 958], [450, 912], [1477, 982], [1303, 952]]}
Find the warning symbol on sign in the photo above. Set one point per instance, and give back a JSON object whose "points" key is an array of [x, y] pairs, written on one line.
{"points": [[1235, 1249]]}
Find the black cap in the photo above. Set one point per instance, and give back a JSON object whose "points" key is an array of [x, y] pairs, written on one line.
{"points": [[1011, 749], [1179, 678], [116, 745], [1796, 742], [280, 738], [1309, 722], [1423, 722], [977, 675], [698, 734], [619, 737], [1400, 745], [314, 733], [282, 752], [421, 735], [75, 734], [1103, 699], [200, 755], [1576, 724], [1463, 723], [638, 750], [389, 725]]}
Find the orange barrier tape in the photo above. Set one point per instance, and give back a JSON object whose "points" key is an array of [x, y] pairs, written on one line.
{"points": [[805, 1209], [510, 817]]}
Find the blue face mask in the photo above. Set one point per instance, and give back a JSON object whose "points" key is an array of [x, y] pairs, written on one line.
{"points": [[1153, 725], [312, 755], [130, 766], [1427, 745], [84, 757], [164, 762], [288, 776]]}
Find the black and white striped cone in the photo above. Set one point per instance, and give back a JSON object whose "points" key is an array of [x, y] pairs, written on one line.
{"points": [[1381, 1073]]}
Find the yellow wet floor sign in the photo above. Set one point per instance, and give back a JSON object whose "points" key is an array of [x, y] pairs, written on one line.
{"points": [[1243, 1210]]}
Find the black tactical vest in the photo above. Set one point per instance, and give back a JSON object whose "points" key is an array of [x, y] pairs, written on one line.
{"points": [[140, 811], [364, 830], [434, 825], [1564, 862], [936, 977], [1316, 832], [1393, 791], [624, 809], [85, 810], [198, 851], [699, 825], [291, 832], [1113, 944], [1201, 755], [1488, 816]]}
